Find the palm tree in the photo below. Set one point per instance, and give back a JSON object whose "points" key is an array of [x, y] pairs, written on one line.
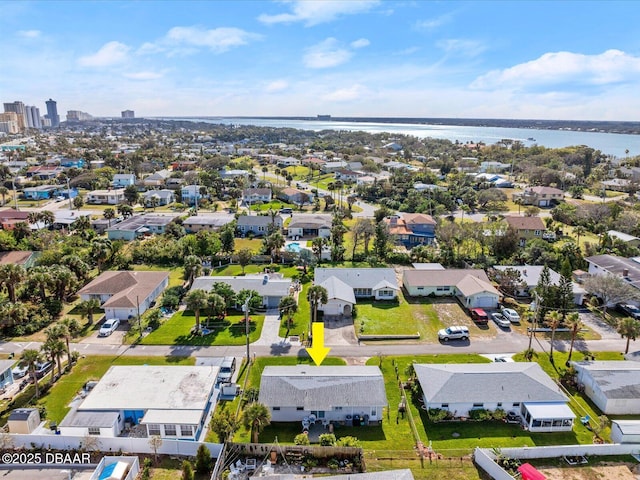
{"points": [[579, 231], [48, 218], [255, 417], [217, 305], [10, 276], [88, 307], [53, 348], [40, 278], [629, 328], [575, 324], [4, 191], [62, 279], [69, 328], [288, 307], [192, 268], [31, 358], [317, 295], [273, 243], [195, 301], [553, 319], [55, 334], [81, 223], [317, 245], [109, 214], [154, 201], [101, 249], [78, 266]]}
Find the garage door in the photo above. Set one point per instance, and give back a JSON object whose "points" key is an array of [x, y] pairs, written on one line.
{"points": [[485, 302]]}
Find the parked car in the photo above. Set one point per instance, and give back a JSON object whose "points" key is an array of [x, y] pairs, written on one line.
{"points": [[19, 371], [286, 211], [500, 320], [510, 314], [43, 368], [226, 369], [60, 198], [479, 316], [108, 327], [454, 333], [629, 309]]}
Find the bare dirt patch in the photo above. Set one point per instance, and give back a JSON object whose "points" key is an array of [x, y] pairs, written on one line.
{"points": [[587, 472], [451, 313]]}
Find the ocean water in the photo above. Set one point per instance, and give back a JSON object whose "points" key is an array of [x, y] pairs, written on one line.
{"points": [[614, 144]]}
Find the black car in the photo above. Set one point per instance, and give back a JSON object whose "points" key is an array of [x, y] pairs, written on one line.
{"points": [[629, 309]]}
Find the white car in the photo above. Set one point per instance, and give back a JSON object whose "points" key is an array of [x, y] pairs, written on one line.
{"points": [[454, 333], [500, 320], [511, 315], [108, 327], [19, 371]]}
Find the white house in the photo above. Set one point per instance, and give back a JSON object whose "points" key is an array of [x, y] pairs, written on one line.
{"points": [[253, 195], [109, 197], [164, 197], [522, 388], [625, 431], [472, 286], [349, 395], [530, 275], [192, 193], [614, 386], [271, 287], [309, 225], [173, 402], [627, 268], [125, 294], [344, 285]]}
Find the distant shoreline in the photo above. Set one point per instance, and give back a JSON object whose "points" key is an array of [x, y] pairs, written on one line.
{"points": [[628, 128]]}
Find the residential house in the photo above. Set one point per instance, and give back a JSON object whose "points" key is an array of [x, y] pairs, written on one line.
{"points": [[63, 219], [6, 376], [624, 237], [72, 163], [412, 229], [345, 285], [528, 228], [170, 401], [9, 218], [309, 226], [519, 387], [165, 197], [234, 173], [109, 197], [184, 165], [539, 196], [270, 286], [210, 222], [288, 162], [472, 287], [330, 167], [41, 172], [396, 147], [295, 196], [126, 294], [346, 175], [139, 225], [41, 192], [259, 224], [349, 395], [122, 180], [530, 276], [613, 386], [490, 166], [157, 179], [192, 193], [174, 183], [25, 258], [253, 195], [627, 268], [617, 184], [625, 431]]}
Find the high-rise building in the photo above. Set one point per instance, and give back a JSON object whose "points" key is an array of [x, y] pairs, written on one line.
{"points": [[128, 114], [33, 117], [77, 116], [9, 122], [52, 113], [19, 109]]}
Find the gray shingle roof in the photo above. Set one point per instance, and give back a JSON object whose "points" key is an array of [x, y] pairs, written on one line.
{"points": [[322, 388], [616, 379], [272, 287], [338, 290], [358, 277], [487, 382]]}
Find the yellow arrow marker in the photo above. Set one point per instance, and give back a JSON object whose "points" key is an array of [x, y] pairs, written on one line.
{"points": [[318, 351]]}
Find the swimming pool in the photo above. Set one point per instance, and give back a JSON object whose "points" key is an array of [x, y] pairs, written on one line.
{"points": [[293, 247]]}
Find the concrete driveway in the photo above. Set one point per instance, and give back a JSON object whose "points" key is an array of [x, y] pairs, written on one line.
{"points": [[116, 338]]}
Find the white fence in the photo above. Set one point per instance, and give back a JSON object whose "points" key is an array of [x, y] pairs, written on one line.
{"points": [[484, 458], [112, 444]]}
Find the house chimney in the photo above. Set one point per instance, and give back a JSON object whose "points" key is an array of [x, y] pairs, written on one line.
{"points": [[625, 272]]}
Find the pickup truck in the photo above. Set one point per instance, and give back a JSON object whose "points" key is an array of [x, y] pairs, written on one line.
{"points": [[479, 316]]}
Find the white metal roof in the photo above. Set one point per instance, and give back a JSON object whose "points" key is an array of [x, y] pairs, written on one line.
{"points": [[549, 410]]}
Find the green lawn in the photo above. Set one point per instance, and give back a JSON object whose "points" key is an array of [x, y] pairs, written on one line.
{"points": [[57, 399], [230, 331], [392, 318], [300, 322], [253, 244]]}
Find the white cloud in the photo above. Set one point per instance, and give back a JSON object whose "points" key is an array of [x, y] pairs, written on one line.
{"points": [[187, 40], [314, 12], [144, 75], [612, 66], [29, 33], [360, 43], [461, 46], [434, 23], [111, 53], [326, 54], [348, 94], [277, 86]]}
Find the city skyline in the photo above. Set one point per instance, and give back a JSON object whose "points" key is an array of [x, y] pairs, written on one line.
{"points": [[560, 60]]}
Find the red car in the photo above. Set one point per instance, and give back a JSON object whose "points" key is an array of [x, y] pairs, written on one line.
{"points": [[479, 316]]}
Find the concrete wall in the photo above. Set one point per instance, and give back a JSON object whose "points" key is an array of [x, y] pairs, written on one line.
{"points": [[485, 460]]}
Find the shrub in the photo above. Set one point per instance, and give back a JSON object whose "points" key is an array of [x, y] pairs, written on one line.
{"points": [[333, 463], [187, 471], [301, 439], [203, 459], [348, 441], [480, 414], [437, 414], [327, 439], [499, 414]]}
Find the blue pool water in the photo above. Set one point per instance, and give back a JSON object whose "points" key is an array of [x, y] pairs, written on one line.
{"points": [[293, 247]]}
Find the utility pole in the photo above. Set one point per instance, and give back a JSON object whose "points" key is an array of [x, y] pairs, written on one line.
{"points": [[139, 320], [69, 194], [15, 194], [245, 307]]}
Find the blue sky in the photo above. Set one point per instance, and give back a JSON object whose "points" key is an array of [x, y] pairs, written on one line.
{"points": [[505, 59]]}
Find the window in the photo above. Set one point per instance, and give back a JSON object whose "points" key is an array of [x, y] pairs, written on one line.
{"points": [[170, 430], [517, 404], [537, 233], [444, 405], [186, 430], [374, 412], [420, 288], [153, 429], [94, 431], [337, 408], [499, 405], [299, 408], [275, 409], [478, 405]]}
